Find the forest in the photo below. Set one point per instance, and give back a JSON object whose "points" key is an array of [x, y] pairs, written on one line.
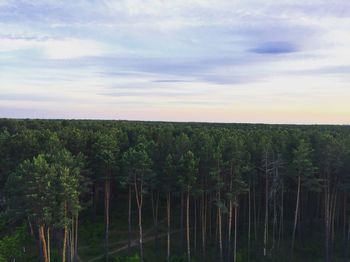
{"points": [[118, 191]]}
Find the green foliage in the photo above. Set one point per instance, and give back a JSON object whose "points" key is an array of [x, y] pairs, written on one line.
{"points": [[105, 152], [13, 246], [46, 166], [31, 190], [175, 258], [188, 170], [133, 258], [303, 166], [40, 188], [93, 232], [137, 164]]}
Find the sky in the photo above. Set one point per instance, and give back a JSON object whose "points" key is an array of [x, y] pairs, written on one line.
{"points": [[251, 61]]}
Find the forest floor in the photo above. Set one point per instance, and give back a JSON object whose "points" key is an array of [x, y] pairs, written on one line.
{"points": [[134, 243], [120, 242]]}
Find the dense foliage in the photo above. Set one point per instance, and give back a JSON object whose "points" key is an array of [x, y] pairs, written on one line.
{"points": [[180, 191]]}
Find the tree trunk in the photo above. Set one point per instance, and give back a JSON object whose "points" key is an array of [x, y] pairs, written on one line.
{"points": [[229, 231], [326, 218], [188, 225], [204, 226], [76, 238], [280, 233], [347, 240], [344, 216], [71, 242], [65, 231], [141, 233], [43, 243], [48, 245], [64, 249], [107, 198], [139, 201], [155, 208], [219, 226], [236, 229], [31, 227], [296, 214], [266, 225], [195, 227], [255, 220], [168, 224], [129, 222], [274, 225], [333, 219], [210, 217], [96, 198], [182, 238], [249, 223]]}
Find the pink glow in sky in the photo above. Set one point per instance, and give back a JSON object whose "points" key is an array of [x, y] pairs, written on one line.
{"points": [[233, 61]]}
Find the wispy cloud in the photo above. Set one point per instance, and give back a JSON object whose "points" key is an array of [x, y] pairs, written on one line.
{"points": [[275, 48], [173, 53]]}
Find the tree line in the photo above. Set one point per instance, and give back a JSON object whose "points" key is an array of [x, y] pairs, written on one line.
{"points": [[213, 192]]}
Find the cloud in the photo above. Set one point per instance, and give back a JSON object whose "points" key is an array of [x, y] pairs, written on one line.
{"points": [[28, 97], [65, 48], [72, 48], [170, 81], [275, 48], [140, 52]]}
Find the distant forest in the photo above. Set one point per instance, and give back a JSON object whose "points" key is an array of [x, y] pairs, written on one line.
{"points": [[84, 190]]}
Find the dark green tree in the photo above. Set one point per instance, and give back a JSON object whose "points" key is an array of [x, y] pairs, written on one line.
{"points": [[187, 178], [137, 163]]}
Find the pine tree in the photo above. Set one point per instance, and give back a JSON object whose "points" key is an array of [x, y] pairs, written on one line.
{"points": [[187, 178], [137, 163]]}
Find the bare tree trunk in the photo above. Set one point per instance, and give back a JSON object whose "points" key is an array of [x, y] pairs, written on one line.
{"points": [[344, 226], [48, 245], [255, 220], [236, 229], [249, 223], [326, 215], [347, 240], [107, 197], [30, 227], [219, 225], [334, 214], [65, 232], [64, 249], [168, 231], [139, 201], [129, 222], [182, 238], [229, 230], [43, 243], [76, 238], [296, 214], [266, 229], [332, 221], [344, 215], [195, 227], [71, 241], [141, 233], [280, 234], [274, 225], [96, 198], [155, 218], [204, 226], [210, 218], [188, 225]]}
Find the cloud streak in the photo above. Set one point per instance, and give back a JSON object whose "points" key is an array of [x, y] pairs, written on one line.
{"points": [[277, 48], [173, 53]]}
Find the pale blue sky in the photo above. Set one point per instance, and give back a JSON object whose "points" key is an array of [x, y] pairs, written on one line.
{"points": [[272, 61]]}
